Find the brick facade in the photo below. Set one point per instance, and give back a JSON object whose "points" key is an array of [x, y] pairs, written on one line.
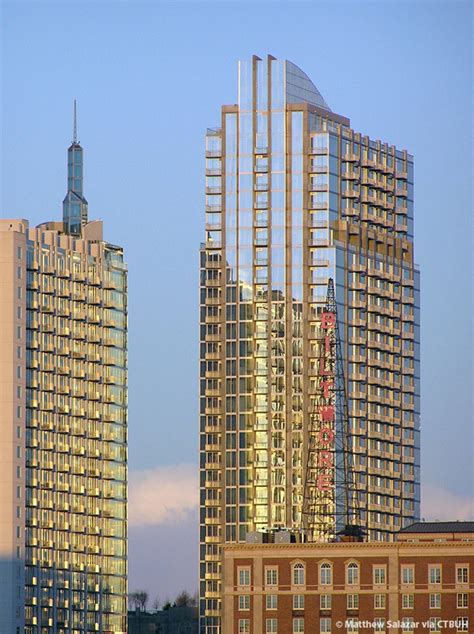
{"points": [[419, 578]]}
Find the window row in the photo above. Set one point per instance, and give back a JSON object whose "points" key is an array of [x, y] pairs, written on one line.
{"points": [[352, 601], [352, 574], [380, 626]]}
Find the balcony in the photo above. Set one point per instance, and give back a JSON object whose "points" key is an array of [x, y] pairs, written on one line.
{"points": [[317, 187], [366, 162], [318, 242], [209, 227], [214, 190], [213, 264], [401, 226], [351, 192], [351, 157], [369, 180], [213, 319], [351, 174], [318, 150], [385, 168], [368, 198], [386, 186], [63, 311], [213, 411]]}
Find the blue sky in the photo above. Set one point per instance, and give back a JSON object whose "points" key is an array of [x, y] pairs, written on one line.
{"points": [[149, 79]]}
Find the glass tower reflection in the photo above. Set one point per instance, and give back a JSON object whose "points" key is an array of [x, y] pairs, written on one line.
{"points": [[294, 197]]}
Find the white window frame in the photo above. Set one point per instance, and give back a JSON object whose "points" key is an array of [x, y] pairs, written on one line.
{"points": [[271, 576], [464, 596], [379, 625], [460, 568], [325, 625], [462, 621], [298, 602], [408, 601], [434, 568], [353, 568], [377, 570], [244, 599], [377, 596], [297, 570], [244, 626], [325, 602], [435, 601], [243, 571], [411, 625], [411, 574], [271, 626], [298, 622], [327, 568], [352, 601], [271, 602]]}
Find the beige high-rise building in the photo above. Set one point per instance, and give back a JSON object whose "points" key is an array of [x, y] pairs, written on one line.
{"points": [[63, 404], [295, 197]]}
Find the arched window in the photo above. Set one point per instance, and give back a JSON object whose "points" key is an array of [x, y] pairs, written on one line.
{"points": [[353, 574], [325, 574], [298, 575]]}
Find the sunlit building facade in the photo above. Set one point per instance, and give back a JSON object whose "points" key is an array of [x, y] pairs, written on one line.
{"points": [[63, 398], [294, 197]]}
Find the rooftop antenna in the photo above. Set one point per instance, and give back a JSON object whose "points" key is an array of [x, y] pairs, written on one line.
{"points": [[74, 139]]}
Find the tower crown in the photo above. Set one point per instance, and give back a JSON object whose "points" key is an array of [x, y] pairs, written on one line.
{"points": [[75, 204]]}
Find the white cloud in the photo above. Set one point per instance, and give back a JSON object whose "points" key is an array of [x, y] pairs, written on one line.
{"points": [[165, 495], [440, 504], [170, 495]]}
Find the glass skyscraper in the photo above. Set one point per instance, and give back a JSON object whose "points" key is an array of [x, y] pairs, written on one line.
{"points": [[295, 197], [63, 399]]}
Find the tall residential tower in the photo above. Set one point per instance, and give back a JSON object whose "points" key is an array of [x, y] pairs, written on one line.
{"points": [[63, 400], [295, 197]]}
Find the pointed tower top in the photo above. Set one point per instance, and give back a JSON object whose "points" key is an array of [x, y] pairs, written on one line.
{"points": [[74, 136], [75, 204]]}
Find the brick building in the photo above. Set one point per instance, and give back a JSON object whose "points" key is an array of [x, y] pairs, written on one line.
{"points": [[423, 582]]}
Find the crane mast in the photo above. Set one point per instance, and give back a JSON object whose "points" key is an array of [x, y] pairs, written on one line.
{"points": [[330, 500]]}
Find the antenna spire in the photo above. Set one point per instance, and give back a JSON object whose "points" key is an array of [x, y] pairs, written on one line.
{"points": [[74, 138]]}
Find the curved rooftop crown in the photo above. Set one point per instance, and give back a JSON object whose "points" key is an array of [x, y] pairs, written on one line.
{"points": [[299, 87], [289, 84]]}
